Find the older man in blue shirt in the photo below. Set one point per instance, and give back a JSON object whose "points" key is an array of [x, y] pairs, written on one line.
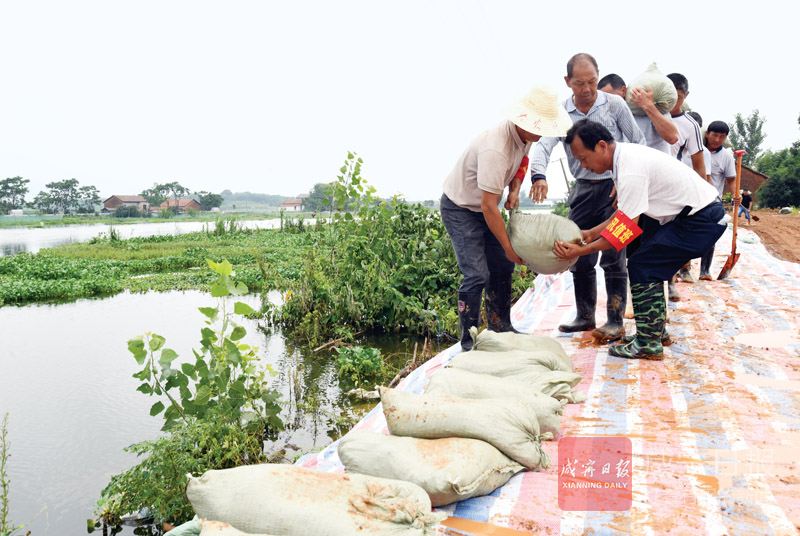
{"points": [[591, 202]]}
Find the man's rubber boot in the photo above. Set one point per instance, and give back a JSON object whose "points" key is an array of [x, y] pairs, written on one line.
{"points": [[674, 295], [585, 301], [498, 303], [617, 292], [685, 273], [469, 315], [705, 265], [666, 338], [650, 312]]}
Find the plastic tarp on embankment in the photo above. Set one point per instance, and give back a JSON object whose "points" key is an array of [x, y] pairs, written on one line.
{"points": [[714, 428]]}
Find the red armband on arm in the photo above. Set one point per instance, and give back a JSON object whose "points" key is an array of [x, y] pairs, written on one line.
{"points": [[621, 231], [523, 168]]}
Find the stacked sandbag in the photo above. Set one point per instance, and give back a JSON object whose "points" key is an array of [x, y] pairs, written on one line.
{"points": [[508, 363], [534, 235], [286, 500], [508, 424], [665, 97], [555, 383], [218, 528], [492, 341], [449, 469], [464, 384]]}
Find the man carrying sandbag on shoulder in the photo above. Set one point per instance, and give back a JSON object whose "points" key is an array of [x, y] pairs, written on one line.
{"points": [[660, 199], [591, 201], [495, 160]]}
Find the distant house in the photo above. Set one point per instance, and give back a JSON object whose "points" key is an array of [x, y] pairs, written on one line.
{"points": [[182, 205], [292, 205], [752, 179], [126, 200]]}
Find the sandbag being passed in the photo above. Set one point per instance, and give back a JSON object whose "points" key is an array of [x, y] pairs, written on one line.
{"points": [[286, 500], [665, 97], [449, 469], [510, 425], [533, 236]]}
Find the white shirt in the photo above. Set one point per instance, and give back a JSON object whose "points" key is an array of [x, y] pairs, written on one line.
{"points": [[722, 168], [690, 140], [656, 184], [488, 164]]}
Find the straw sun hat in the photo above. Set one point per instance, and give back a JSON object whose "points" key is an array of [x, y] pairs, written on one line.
{"points": [[539, 112]]}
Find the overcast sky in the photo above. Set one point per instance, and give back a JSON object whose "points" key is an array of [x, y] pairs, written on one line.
{"points": [[269, 96]]}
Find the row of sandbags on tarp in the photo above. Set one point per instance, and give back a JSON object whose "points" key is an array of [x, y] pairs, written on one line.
{"points": [[479, 422]]}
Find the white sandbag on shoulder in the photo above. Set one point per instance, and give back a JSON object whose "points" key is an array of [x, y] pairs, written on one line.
{"points": [[665, 96], [507, 363], [286, 500], [466, 384], [507, 423], [492, 341], [533, 236], [449, 469]]}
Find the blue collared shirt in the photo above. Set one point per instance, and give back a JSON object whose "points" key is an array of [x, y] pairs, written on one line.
{"points": [[612, 112]]}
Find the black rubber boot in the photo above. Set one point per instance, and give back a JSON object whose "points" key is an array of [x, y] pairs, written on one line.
{"points": [[674, 295], [685, 273], [617, 291], [585, 301], [498, 303], [705, 265], [650, 309], [469, 315]]}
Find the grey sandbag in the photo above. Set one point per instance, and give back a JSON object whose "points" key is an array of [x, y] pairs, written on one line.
{"points": [[492, 341], [465, 384], [218, 528], [190, 528], [665, 96], [449, 469], [507, 423], [507, 363], [533, 236], [284, 500], [556, 383]]}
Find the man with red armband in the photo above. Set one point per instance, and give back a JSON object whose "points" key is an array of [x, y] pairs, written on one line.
{"points": [[677, 214]]}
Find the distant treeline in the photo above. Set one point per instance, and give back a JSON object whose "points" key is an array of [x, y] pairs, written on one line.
{"points": [[240, 198]]}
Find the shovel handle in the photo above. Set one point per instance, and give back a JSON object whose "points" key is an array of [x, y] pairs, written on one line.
{"points": [[738, 183]]}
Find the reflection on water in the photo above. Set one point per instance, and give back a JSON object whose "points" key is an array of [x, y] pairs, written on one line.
{"points": [[65, 379], [15, 240]]}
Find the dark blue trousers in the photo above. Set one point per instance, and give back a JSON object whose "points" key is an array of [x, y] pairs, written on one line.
{"points": [[589, 206], [664, 249], [477, 250]]}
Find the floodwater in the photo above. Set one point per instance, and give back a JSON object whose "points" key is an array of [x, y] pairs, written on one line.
{"points": [[22, 239], [65, 380]]}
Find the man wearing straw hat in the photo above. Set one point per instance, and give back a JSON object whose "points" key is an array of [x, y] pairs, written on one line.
{"points": [[497, 159], [591, 200]]}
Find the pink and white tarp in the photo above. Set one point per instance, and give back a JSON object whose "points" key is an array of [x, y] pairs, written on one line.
{"points": [[715, 427]]}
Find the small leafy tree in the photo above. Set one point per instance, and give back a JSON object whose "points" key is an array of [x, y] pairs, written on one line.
{"points": [[126, 211], [783, 186], [217, 411], [747, 134], [12, 193]]}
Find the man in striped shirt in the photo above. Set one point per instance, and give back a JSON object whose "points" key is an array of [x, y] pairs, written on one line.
{"points": [[591, 201], [689, 150]]}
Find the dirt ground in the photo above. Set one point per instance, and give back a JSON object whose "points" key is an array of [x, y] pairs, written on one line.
{"points": [[780, 233]]}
